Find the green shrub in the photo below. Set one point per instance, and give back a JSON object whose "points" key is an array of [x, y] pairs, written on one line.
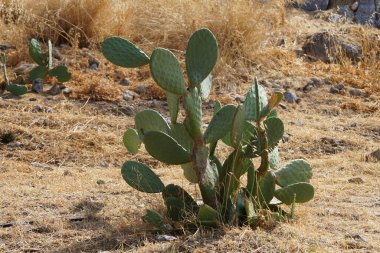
{"points": [[252, 130]]}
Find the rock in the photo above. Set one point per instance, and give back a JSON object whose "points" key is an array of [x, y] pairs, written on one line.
{"points": [[354, 6], [290, 97], [346, 12], [336, 18], [374, 156], [337, 89], [239, 99], [100, 182], [356, 237], [283, 106], [54, 90], [127, 96], [365, 12], [142, 88], [56, 54], [38, 165], [326, 47], [38, 108], [356, 180], [38, 86], [4, 47], [358, 93], [23, 69], [314, 5], [125, 82], [93, 63], [67, 173], [163, 238], [313, 83], [66, 91], [32, 99]]}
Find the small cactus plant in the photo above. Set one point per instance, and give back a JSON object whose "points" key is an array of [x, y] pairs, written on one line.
{"points": [[252, 130], [45, 63], [15, 89]]}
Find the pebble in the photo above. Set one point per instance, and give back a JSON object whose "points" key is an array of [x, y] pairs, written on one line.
{"points": [[54, 90], [127, 96], [38, 86], [32, 99], [142, 88], [163, 238], [125, 82], [66, 91], [56, 54], [374, 156], [93, 63], [239, 99], [100, 182], [356, 180], [354, 6], [290, 97], [38, 165], [337, 89], [358, 93], [38, 108]]}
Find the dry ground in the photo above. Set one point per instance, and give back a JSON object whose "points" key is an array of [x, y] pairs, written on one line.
{"points": [[60, 183]]}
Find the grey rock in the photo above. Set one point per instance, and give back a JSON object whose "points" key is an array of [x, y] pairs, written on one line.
{"points": [[290, 97], [239, 99], [358, 93], [314, 5], [93, 63], [356, 237], [142, 88], [328, 48], [354, 6], [38, 108], [164, 238], [38, 86], [125, 82], [32, 99], [337, 89], [56, 54], [54, 90], [23, 69], [365, 12], [334, 90], [374, 156], [356, 180], [100, 182], [345, 11], [4, 47], [127, 96], [336, 18], [66, 91]]}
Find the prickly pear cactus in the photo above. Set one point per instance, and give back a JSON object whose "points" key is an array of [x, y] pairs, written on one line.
{"points": [[15, 89], [252, 131]]}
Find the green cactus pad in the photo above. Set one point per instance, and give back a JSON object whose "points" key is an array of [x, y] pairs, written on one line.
{"points": [[123, 53], [17, 89], [150, 120], [275, 130], [217, 107], [189, 172], [274, 158], [61, 73], [173, 103], [141, 177], [201, 55], [220, 124], [36, 53], [132, 141], [250, 102], [273, 114], [237, 128], [166, 71], [175, 208], [176, 191], [303, 192], [38, 72], [296, 171], [193, 107], [208, 216], [205, 87], [155, 219], [180, 134], [273, 102], [265, 191], [165, 149]]}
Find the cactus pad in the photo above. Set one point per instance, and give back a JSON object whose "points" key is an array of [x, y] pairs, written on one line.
{"points": [[274, 158], [155, 219], [180, 134], [175, 208], [38, 72], [165, 149], [296, 171], [237, 128], [208, 216], [173, 103], [275, 130], [141, 177], [123, 53], [61, 73], [150, 120], [220, 124], [201, 55], [193, 108], [176, 191], [250, 102], [132, 141], [189, 172], [205, 87], [273, 102], [167, 72], [17, 89], [36, 53], [303, 192]]}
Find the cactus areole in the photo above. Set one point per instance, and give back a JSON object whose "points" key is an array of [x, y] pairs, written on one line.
{"points": [[252, 131]]}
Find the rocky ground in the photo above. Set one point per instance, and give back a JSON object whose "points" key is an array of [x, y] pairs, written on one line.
{"points": [[61, 152]]}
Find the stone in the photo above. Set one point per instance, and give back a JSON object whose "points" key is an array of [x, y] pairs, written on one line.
{"points": [[4, 47], [346, 12], [374, 156], [142, 88], [38, 108], [32, 99], [163, 238], [326, 47], [358, 93], [336, 18], [100, 182], [38, 86], [54, 90], [290, 97], [356, 180], [93, 63], [66, 91], [365, 12], [354, 6], [125, 82], [23, 69], [337, 89], [56, 54], [314, 5], [127, 96]]}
